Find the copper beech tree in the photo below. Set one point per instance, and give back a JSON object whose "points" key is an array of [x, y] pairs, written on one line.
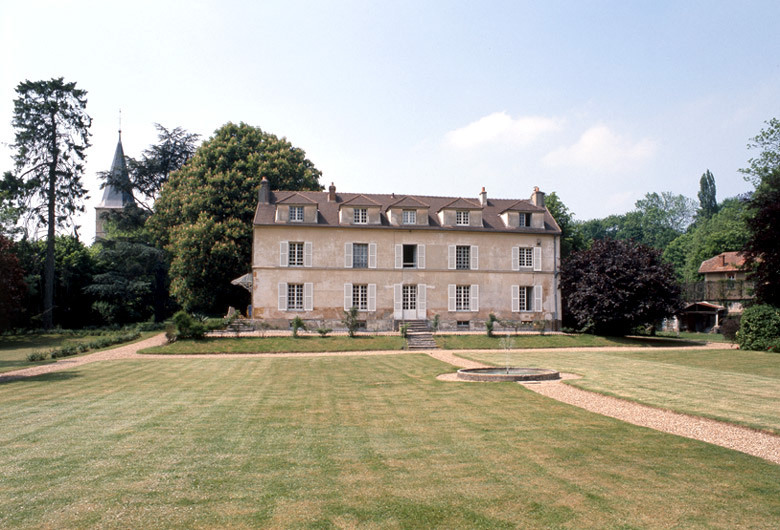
{"points": [[617, 285]]}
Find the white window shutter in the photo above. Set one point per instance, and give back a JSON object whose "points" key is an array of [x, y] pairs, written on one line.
{"points": [[537, 298], [474, 257], [348, 255], [347, 296], [282, 296], [283, 252], [372, 255], [515, 258], [474, 297], [372, 297], [422, 305], [420, 256], [308, 296], [398, 308], [451, 259], [307, 251], [537, 258], [451, 297], [399, 256], [515, 298]]}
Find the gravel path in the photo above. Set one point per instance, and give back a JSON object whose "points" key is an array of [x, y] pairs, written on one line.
{"points": [[756, 443], [760, 444]]}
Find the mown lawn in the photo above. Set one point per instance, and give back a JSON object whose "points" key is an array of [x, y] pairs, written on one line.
{"points": [[15, 348], [301, 344], [502, 340], [347, 442], [732, 385]]}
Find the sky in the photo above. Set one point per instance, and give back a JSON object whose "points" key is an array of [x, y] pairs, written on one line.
{"points": [[598, 101]]}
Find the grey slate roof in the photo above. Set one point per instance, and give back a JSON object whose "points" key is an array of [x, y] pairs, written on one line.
{"points": [[329, 211], [113, 197]]}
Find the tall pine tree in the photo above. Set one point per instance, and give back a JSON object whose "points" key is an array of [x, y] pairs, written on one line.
{"points": [[52, 136]]}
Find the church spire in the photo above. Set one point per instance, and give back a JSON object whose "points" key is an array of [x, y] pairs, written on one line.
{"points": [[115, 197]]}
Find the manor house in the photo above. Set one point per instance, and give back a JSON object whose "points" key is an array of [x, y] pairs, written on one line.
{"points": [[398, 258]]}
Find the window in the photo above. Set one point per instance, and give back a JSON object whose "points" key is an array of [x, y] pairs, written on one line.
{"points": [[296, 255], [360, 256], [295, 297], [360, 297], [296, 214], [462, 218], [463, 257], [409, 299], [463, 298], [410, 256], [525, 219], [410, 217], [523, 298], [526, 257], [360, 216], [463, 325]]}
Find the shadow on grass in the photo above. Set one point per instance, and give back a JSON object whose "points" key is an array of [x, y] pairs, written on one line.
{"points": [[634, 340], [51, 377]]}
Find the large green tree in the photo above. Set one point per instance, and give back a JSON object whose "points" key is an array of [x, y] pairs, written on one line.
{"points": [[204, 213], [762, 251], [617, 285], [768, 160], [708, 203], [571, 237], [52, 136]]}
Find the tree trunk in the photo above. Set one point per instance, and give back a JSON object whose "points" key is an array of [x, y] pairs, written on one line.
{"points": [[48, 284]]}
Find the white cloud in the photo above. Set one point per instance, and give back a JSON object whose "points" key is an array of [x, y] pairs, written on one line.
{"points": [[599, 148], [500, 128]]}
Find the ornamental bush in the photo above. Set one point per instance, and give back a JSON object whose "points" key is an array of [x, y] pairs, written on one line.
{"points": [[759, 328], [188, 327]]}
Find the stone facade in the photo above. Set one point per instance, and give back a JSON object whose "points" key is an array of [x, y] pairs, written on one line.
{"points": [[400, 258]]}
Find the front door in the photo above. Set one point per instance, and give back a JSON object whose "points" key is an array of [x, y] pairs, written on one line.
{"points": [[409, 301]]}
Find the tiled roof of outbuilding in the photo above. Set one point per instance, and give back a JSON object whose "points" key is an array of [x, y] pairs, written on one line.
{"points": [[723, 262]]}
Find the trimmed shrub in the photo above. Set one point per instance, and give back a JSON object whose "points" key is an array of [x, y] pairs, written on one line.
{"points": [[759, 328], [324, 331], [404, 329], [729, 328], [187, 327], [297, 323], [350, 320], [37, 356], [490, 324]]}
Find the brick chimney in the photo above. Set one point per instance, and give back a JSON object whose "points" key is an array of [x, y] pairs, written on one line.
{"points": [[331, 193], [483, 197], [537, 197], [264, 194]]}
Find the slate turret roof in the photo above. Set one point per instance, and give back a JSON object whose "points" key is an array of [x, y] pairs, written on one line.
{"points": [[112, 196]]}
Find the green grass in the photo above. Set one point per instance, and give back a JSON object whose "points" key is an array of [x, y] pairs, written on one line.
{"points": [[741, 387], [483, 342], [15, 348], [301, 344], [347, 442], [688, 335]]}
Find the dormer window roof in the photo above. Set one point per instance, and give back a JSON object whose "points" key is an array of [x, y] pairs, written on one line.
{"points": [[296, 199]]}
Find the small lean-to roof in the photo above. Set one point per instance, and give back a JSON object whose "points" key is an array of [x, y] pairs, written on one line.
{"points": [[265, 215], [723, 262]]}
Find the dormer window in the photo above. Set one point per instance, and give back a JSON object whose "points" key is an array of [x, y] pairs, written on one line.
{"points": [[410, 217], [524, 219], [360, 216], [462, 218], [296, 214]]}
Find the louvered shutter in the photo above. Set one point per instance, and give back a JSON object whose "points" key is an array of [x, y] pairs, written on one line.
{"points": [[515, 258], [474, 291], [474, 257], [398, 311], [372, 297], [537, 258], [348, 255], [347, 296], [451, 259], [282, 290], [307, 252], [451, 297], [283, 253], [421, 301], [372, 255], [515, 298], [308, 296], [420, 256], [537, 298], [399, 256]]}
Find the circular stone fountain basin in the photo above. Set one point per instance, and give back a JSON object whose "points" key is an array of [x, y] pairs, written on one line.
{"points": [[507, 374]]}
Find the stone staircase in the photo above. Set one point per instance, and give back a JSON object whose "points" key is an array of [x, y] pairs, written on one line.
{"points": [[418, 336]]}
